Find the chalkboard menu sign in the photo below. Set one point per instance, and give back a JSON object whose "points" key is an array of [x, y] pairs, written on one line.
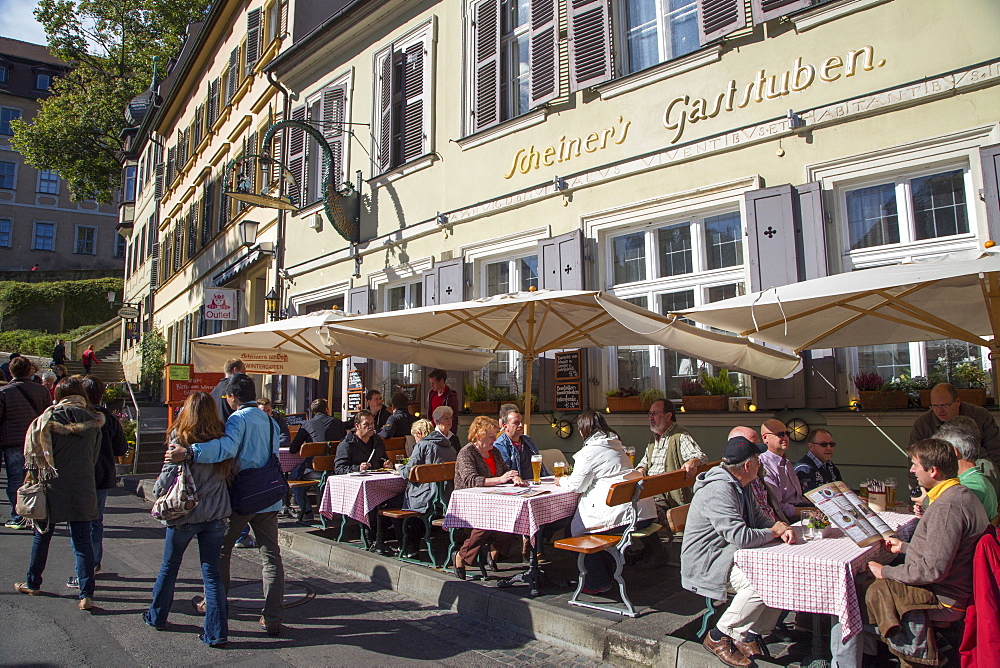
{"points": [[568, 397], [355, 380], [354, 401], [412, 393], [295, 419], [568, 365]]}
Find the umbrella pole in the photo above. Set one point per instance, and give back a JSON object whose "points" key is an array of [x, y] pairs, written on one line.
{"points": [[329, 378], [529, 361]]}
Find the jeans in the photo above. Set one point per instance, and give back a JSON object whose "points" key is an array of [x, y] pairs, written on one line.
{"points": [[83, 549], [210, 536], [13, 461], [300, 492], [265, 531], [97, 527]]}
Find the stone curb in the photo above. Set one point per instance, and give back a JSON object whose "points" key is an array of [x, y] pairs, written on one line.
{"points": [[596, 636]]}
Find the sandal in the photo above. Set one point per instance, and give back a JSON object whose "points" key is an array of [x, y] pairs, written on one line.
{"points": [[25, 589]]}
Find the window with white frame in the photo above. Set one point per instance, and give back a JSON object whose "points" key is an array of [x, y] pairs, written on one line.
{"points": [[273, 21], [667, 266], [401, 128], [86, 240], [8, 114], [5, 232], [515, 57], [42, 81], [8, 174], [504, 276], [401, 296], [48, 182], [655, 31], [44, 236], [4, 73], [121, 244]]}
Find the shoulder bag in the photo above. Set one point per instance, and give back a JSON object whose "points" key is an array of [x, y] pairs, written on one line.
{"points": [[180, 499], [254, 490], [31, 501]]}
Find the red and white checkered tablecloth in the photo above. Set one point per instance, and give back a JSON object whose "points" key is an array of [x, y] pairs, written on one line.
{"points": [[356, 495], [288, 460], [817, 576], [475, 509]]}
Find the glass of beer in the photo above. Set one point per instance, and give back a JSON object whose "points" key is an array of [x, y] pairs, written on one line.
{"points": [[890, 493], [559, 469], [536, 468], [630, 451]]}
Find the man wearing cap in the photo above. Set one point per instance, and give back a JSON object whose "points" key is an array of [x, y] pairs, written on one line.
{"points": [[779, 473], [724, 517], [816, 467]]}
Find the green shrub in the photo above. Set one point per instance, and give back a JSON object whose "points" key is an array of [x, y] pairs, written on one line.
{"points": [[83, 301]]}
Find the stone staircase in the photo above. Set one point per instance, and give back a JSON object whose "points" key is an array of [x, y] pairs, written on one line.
{"points": [[110, 368]]}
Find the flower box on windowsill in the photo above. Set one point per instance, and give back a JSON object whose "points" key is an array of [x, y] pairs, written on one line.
{"points": [[891, 400], [704, 403], [625, 404]]}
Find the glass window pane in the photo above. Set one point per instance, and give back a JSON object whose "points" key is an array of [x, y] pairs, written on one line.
{"points": [[5, 233], [944, 356], [939, 205], [633, 363], [675, 249], [629, 257], [497, 278], [677, 301], [641, 34], [638, 301], [681, 19], [529, 272], [889, 361], [717, 293], [416, 295], [724, 240], [44, 236], [396, 298], [6, 174], [6, 116], [871, 216]]}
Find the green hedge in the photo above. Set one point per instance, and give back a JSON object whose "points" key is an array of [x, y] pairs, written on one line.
{"points": [[35, 342], [84, 301]]}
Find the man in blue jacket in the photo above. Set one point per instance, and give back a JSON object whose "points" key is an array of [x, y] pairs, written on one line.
{"points": [[251, 437]]}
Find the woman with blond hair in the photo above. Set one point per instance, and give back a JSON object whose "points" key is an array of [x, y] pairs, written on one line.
{"points": [[198, 422], [479, 464]]}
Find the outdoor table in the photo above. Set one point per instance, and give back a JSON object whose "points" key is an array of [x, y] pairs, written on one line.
{"points": [[818, 576], [354, 495], [477, 508], [288, 460]]}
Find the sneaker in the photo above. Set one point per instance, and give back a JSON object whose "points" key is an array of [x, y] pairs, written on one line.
{"points": [[73, 581], [247, 542], [20, 524]]}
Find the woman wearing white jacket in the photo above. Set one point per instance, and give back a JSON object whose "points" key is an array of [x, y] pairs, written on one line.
{"points": [[600, 463]]}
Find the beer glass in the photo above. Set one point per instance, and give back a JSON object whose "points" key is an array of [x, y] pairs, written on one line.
{"points": [[630, 451], [536, 468], [890, 493], [559, 469]]}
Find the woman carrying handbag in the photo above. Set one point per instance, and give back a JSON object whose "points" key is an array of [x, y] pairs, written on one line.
{"points": [[207, 521], [60, 451]]}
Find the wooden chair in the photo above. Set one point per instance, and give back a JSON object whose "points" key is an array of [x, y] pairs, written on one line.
{"points": [[397, 443], [629, 491], [439, 475], [311, 450], [411, 442], [550, 457]]}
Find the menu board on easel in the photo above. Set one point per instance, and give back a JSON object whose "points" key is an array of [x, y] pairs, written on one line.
{"points": [[355, 401], [356, 380], [568, 396], [567, 365], [412, 392]]}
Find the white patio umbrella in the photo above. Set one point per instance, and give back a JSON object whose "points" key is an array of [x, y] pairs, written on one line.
{"points": [[954, 297], [538, 321], [295, 346]]}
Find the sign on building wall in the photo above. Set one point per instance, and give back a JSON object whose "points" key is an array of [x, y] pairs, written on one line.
{"points": [[220, 304]]}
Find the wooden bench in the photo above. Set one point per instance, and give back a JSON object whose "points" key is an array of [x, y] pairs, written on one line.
{"points": [[307, 450], [629, 491], [439, 475]]}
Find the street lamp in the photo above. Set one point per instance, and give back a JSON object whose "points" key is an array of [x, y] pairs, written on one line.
{"points": [[248, 235], [271, 304]]}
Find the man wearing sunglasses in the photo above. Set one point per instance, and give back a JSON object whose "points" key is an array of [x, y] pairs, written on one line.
{"points": [[778, 471], [816, 467]]}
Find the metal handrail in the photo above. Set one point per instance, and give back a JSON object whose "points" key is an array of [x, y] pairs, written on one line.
{"points": [[138, 426]]}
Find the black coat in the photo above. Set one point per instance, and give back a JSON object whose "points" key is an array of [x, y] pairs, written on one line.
{"points": [[17, 411], [76, 447], [352, 452], [59, 354], [318, 429], [219, 394], [113, 444], [397, 425]]}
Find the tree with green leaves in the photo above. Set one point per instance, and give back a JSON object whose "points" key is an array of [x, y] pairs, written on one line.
{"points": [[111, 46]]}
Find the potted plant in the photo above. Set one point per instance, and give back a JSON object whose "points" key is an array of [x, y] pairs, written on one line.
{"points": [[128, 427], [520, 402], [710, 393], [875, 393], [971, 380], [484, 398], [921, 387], [114, 397], [624, 400], [649, 396]]}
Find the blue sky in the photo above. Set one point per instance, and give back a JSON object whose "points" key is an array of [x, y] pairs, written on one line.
{"points": [[18, 22]]}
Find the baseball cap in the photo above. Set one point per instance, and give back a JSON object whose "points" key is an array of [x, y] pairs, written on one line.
{"points": [[740, 448]]}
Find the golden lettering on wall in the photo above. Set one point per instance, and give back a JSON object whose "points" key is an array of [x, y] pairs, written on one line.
{"points": [[683, 111], [527, 159]]}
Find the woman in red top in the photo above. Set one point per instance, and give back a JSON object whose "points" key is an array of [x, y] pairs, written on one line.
{"points": [[479, 464]]}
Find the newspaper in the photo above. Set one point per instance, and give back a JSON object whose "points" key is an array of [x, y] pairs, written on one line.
{"points": [[850, 514]]}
